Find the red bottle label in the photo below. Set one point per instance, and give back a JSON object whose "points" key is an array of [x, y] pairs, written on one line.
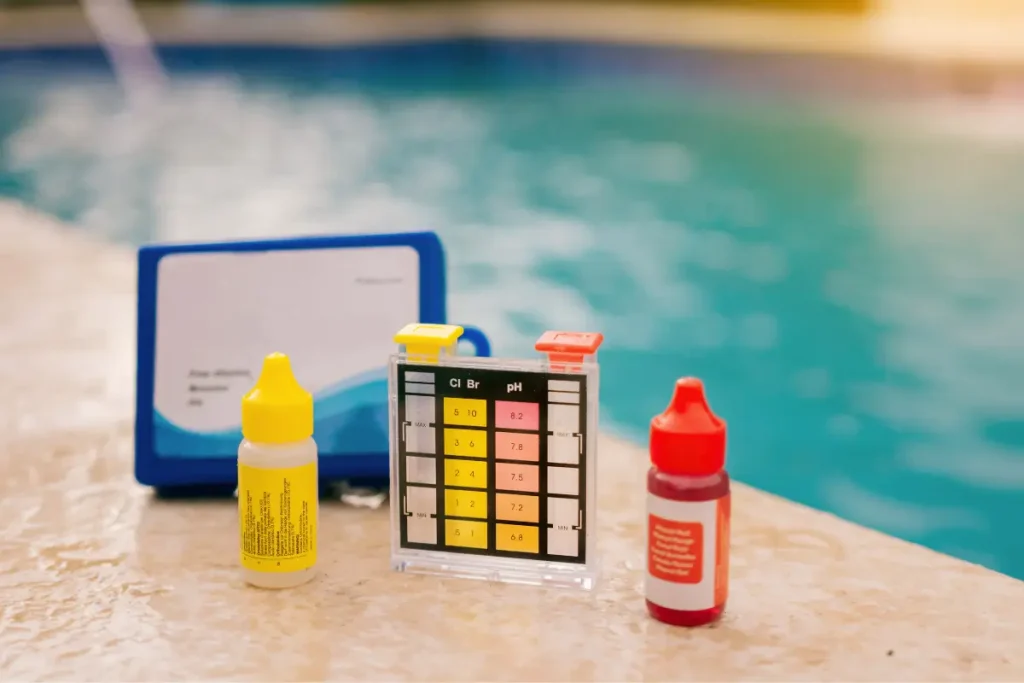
{"points": [[724, 510], [687, 553], [675, 550]]}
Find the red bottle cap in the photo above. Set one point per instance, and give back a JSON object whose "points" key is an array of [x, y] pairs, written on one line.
{"points": [[687, 438]]}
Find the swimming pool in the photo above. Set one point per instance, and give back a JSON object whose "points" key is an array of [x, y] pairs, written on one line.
{"points": [[845, 275]]}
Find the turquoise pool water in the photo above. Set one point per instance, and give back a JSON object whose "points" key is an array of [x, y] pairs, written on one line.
{"points": [[846, 277]]}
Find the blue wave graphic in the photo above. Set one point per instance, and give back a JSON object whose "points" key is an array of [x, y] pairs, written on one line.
{"points": [[351, 418]]}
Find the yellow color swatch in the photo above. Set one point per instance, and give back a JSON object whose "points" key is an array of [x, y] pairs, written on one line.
{"points": [[471, 443], [468, 473], [458, 503], [519, 539], [465, 534], [471, 412]]}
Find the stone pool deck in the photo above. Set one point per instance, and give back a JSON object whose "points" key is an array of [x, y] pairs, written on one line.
{"points": [[99, 581]]}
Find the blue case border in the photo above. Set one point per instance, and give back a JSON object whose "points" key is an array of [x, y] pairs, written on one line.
{"points": [[150, 469]]}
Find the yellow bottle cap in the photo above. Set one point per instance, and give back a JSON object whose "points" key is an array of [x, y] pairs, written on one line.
{"points": [[277, 409]]}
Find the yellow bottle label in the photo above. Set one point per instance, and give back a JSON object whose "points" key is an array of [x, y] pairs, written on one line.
{"points": [[277, 511]]}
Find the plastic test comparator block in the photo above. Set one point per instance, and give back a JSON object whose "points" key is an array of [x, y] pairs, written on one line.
{"points": [[494, 462]]}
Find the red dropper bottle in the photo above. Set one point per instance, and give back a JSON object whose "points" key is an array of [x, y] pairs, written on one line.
{"points": [[688, 511]]}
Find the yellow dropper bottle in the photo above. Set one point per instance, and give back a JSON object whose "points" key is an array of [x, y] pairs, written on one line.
{"points": [[277, 480]]}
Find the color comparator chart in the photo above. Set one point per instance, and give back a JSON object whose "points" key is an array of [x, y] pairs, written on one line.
{"points": [[493, 462]]}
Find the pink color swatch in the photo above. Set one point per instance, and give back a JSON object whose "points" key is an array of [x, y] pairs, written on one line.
{"points": [[516, 477], [516, 415], [514, 446]]}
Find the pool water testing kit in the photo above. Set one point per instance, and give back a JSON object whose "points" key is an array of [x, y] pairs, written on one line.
{"points": [[209, 313], [494, 461]]}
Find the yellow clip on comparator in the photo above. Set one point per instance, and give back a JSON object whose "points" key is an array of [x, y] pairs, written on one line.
{"points": [[427, 342]]}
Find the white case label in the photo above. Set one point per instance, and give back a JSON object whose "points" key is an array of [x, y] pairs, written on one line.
{"points": [[333, 311]]}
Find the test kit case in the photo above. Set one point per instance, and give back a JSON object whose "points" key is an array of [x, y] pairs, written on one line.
{"points": [[209, 313], [494, 461]]}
